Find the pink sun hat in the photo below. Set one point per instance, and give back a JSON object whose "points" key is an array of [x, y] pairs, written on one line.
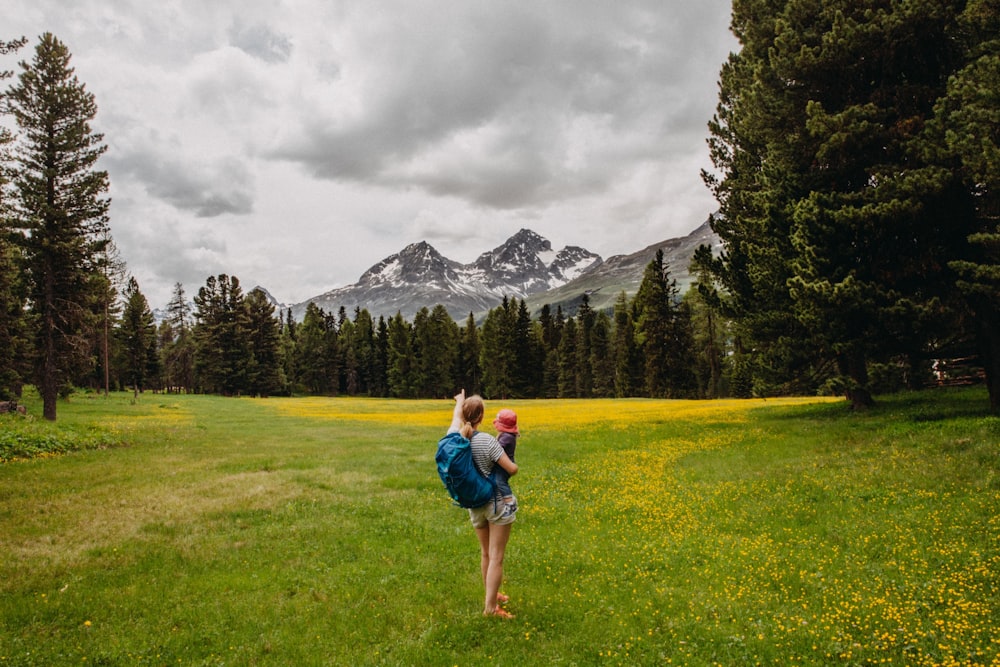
{"points": [[506, 421]]}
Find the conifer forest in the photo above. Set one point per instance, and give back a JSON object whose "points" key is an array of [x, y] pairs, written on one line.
{"points": [[856, 163]]}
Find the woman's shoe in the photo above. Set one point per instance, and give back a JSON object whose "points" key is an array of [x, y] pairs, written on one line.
{"points": [[501, 613]]}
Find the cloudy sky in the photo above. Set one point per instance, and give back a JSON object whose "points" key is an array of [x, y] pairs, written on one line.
{"points": [[295, 143]]}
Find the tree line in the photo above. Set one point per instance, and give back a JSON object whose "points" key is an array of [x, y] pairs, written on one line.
{"points": [[236, 344]]}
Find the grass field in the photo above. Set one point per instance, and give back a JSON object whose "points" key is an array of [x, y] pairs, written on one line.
{"points": [[315, 532]]}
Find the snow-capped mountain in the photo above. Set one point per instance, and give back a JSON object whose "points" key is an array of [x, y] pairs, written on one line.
{"points": [[419, 276]]}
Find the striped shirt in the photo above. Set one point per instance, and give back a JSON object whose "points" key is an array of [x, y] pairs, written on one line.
{"points": [[485, 452]]}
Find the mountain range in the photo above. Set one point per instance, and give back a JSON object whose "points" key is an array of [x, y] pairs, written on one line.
{"points": [[524, 266]]}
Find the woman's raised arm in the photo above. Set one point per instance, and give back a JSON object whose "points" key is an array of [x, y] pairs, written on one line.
{"points": [[456, 416]]}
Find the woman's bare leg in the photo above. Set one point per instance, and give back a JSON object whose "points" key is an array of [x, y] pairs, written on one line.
{"points": [[484, 549], [493, 577]]}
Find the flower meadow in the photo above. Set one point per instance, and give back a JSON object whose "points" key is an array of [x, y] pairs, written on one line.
{"points": [[850, 559], [315, 531]]}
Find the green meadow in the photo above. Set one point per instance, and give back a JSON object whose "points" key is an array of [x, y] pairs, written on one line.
{"points": [[199, 530]]}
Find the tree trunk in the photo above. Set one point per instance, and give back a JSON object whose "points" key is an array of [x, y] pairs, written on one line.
{"points": [[50, 383], [854, 365], [107, 356], [50, 371], [989, 348]]}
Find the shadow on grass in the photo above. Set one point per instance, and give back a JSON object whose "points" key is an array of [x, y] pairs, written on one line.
{"points": [[929, 405]]}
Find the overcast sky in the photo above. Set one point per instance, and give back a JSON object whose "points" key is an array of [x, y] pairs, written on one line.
{"points": [[296, 143]]}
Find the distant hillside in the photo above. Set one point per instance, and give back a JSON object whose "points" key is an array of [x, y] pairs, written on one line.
{"points": [[603, 282]]}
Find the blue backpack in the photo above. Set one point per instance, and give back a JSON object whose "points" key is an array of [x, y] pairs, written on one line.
{"points": [[466, 485]]}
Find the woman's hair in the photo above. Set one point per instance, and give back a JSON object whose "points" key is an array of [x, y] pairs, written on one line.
{"points": [[472, 414]]}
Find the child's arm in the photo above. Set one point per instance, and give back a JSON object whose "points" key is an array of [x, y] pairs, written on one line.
{"points": [[508, 465], [456, 415]]}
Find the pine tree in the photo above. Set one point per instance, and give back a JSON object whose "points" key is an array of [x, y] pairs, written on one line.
{"points": [[602, 363], [551, 327], [176, 344], [497, 355], [655, 308], [60, 203], [400, 358], [965, 131], [112, 280], [528, 358], [289, 351], [13, 343], [380, 365], [751, 121], [568, 382], [584, 331], [435, 351], [469, 374], [364, 349], [223, 358], [316, 362], [347, 361], [267, 377], [709, 330], [627, 361], [136, 333]]}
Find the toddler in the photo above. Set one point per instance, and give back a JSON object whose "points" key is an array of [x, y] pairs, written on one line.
{"points": [[506, 426]]}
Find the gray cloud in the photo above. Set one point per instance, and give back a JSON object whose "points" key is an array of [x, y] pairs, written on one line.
{"points": [[486, 104], [320, 140], [261, 42], [206, 189]]}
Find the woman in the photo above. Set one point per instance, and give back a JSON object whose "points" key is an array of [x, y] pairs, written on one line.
{"points": [[492, 521]]}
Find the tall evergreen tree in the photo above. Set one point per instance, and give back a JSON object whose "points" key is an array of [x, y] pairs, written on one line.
{"points": [[497, 354], [348, 366], [585, 317], [60, 203], [708, 325], [13, 343], [568, 362], [266, 376], [663, 333], [469, 374], [289, 351], [137, 337], [602, 363], [364, 349], [316, 363], [628, 370], [109, 284], [400, 358], [176, 344], [223, 358], [965, 130], [551, 327], [380, 365], [528, 359], [435, 352], [655, 308]]}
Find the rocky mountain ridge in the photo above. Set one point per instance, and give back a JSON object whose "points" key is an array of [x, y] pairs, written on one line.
{"points": [[419, 276], [524, 266]]}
